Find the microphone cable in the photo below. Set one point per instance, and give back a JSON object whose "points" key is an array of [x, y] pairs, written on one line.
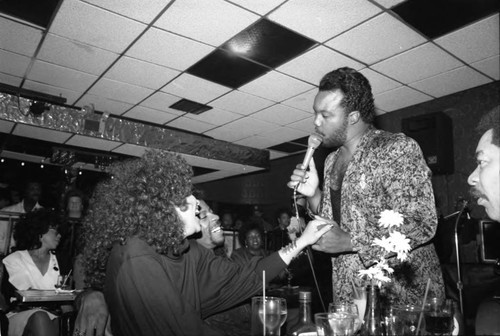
{"points": [[308, 248]]}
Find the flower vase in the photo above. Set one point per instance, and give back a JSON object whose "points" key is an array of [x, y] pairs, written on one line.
{"points": [[372, 325]]}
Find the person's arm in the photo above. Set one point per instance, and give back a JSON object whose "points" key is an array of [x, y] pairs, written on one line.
{"points": [[18, 273], [92, 314]]}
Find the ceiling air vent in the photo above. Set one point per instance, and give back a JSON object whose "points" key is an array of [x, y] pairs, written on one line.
{"points": [[190, 106]]}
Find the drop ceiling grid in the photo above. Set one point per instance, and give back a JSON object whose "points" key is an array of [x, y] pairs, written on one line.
{"points": [[13, 64], [141, 73], [241, 102], [103, 104], [136, 10], [281, 114], [120, 91], [75, 55], [142, 113], [86, 23], [307, 68], [379, 38], [71, 96], [400, 97], [41, 133], [195, 88], [209, 21], [92, 143], [24, 42]]}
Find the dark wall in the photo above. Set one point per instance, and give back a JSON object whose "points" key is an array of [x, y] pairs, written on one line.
{"points": [[464, 108]]}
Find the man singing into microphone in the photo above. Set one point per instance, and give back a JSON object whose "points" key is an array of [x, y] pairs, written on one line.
{"points": [[370, 171]]}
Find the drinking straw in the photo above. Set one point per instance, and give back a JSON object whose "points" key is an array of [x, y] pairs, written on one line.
{"points": [[263, 302], [354, 288], [423, 305], [66, 278]]}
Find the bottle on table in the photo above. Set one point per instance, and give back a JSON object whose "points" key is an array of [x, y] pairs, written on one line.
{"points": [[305, 326]]}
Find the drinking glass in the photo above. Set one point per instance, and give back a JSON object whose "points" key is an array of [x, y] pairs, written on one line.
{"points": [[359, 299], [347, 308], [334, 324], [438, 316], [403, 320], [270, 312]]}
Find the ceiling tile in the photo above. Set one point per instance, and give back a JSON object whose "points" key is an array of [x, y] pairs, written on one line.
{"points": [[59, 76], [475, 42], [226, 134], [377, 39], [378, 82], [120, 91], [6, 126], [276, 86], [10, 80], [281, 114], [250, 126], [41, 133], [306, 125], [450, 82], [147, 114], [24, 41], [130, 149], [418, 63], [191, 18], [268, 43], [276, 155], [489, 66], [284, 134], [195, 88], [79, 21], [226, 68], [437, 18], [303, 101], [191, 125], [241, 103], [13, 64], [260, 6], [141, 73], [71, 96], [133, 9], [307, 67], [103, 104], [75, 55], [215, 117], [161, 47], [161, 101], [258, 141], [323, 19], [398, 98], [93, 143]]}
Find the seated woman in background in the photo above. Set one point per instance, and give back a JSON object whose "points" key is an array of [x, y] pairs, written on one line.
{"points": [[34, 266], [157, 282], [251, 237]]}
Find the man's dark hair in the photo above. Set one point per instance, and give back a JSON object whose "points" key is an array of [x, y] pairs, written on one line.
{"points": [[356, 89], [491, 120]]}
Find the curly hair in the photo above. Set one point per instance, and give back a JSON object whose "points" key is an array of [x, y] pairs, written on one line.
{"points": [[356, 89], [251, 225], [138, 200], [491, 120], [31, 226]]}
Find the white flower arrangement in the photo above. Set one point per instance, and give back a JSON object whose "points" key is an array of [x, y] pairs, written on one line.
{"points": [[396, 243]]}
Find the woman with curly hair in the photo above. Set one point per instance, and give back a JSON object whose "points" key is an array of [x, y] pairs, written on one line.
{"points": [[156, 282], [34, 266]]}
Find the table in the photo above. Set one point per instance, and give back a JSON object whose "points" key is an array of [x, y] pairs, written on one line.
{"points": [[46, 296]]}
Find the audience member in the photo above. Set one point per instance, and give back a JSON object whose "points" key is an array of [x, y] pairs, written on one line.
{"points": [[227, 220], [485, 186], [73, 202], [257, 216], [34, 266], [370, 171], [279, 236], [31, 197], [156, 281], [251, 238]]}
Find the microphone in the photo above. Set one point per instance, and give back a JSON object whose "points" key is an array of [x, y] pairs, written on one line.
{"points": [[312, 143]]}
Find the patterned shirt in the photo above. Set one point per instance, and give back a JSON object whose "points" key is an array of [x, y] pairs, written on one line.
{"points": [[386, 172]]}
